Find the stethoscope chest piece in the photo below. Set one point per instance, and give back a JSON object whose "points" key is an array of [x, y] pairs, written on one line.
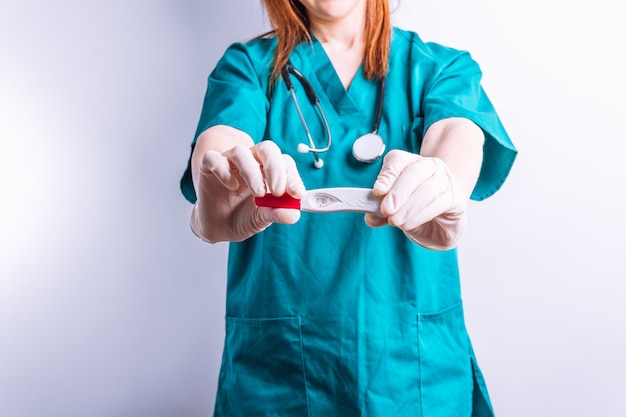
{"points": [[368, 148]]}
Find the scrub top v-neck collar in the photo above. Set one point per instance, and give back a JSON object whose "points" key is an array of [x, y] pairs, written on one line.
{"points": [[316, 62]]}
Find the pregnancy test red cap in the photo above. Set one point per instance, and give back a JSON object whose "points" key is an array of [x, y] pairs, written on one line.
{"points": [[284, 201]]}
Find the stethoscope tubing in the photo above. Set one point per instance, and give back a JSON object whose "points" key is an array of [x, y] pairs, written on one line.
{"points": [[310, 93], [286, 73]]}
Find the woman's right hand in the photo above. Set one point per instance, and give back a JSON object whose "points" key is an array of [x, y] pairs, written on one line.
{"points": [[226, 184]]}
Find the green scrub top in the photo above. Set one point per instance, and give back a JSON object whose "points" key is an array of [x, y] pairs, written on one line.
{"points": [[329, 317]]}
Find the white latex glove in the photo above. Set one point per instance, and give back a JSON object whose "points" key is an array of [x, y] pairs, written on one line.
{"points": [[421, 197], [227, 184]]}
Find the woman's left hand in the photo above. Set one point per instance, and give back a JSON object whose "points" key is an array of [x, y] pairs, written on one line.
{"points": [[422, 198]]}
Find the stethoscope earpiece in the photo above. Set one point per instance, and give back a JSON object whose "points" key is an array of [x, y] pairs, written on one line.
{"points": [[303, 148]]}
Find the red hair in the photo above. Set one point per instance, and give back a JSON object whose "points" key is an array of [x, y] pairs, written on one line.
{"points": [[291, 27]]}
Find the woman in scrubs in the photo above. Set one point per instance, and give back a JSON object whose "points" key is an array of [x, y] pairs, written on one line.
{"points": [[344, 314]]}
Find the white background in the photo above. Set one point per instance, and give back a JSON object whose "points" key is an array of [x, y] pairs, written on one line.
{"points": [[109, 307]]}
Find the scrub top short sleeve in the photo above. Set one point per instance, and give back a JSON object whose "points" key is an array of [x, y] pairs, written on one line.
{"points": [[457, 92], [236, 97]]}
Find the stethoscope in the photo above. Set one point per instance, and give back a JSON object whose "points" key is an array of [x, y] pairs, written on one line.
{"points": [[367, 148]]}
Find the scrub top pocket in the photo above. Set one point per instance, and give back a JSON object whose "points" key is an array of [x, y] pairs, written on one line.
{"points": [[262, 371], [445, 364]]}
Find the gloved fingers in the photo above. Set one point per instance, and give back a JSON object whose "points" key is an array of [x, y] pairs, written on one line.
{"points": [[418, 175], [242, 159], [373, 220], [393, 164], [423, 207], [459, 199], [216, 164], [266, 216], [439, 234], [272, 162], [295, 186], [195, 222]]}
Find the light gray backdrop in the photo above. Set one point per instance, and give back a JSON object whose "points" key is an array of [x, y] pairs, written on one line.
{"points": [[110, 307]]}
